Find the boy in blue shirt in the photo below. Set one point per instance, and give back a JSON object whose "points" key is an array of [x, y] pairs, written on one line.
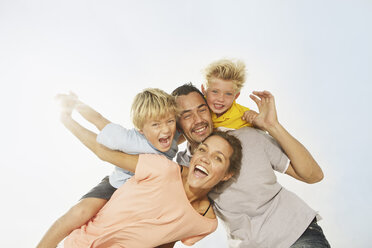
{"points": [[154, 117]]}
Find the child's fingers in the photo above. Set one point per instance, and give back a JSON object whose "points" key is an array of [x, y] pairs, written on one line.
{"points": [[73, 94], [246, 115], [249, 116]]}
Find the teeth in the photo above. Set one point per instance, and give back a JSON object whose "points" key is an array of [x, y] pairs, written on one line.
{"points": [[164, 139], [200, 129], [199, 167]]}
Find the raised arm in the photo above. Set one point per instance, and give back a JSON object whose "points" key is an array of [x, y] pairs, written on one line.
{"points": [[303, 166], [91, 115], [88, 138], [84, 110]]}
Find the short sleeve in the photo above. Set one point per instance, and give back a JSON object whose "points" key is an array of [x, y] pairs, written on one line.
{"points": [[192, 240], [278, 159], [154, 167], [130, 141]]}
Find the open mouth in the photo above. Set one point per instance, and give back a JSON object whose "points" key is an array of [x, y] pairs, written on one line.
{"points": [[200, 171], [218, 106], [165, 142], [200, 129]]}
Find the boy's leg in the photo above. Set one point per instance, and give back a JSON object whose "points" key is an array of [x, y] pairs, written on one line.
{"points": [[78, 215]]}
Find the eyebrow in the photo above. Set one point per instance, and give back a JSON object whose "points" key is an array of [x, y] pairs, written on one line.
{"points": [[215, 151], [189, 110]]}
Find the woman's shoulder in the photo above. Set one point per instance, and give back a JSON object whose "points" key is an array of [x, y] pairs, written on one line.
{"points": [[155, 164]]}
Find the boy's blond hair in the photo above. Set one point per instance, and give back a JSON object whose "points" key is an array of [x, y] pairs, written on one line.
{"points": [[231, 70], [151, 103]]}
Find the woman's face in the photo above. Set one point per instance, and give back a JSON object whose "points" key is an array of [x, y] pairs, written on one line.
{"points": [[210, 163]]}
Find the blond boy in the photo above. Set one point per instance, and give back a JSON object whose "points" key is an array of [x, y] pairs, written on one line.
{"points": [[154, 117], [224, 80]]}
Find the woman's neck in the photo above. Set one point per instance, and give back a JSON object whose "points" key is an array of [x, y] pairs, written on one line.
{"points": [[193, 194]]}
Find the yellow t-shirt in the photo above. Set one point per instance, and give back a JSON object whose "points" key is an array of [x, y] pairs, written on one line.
{"points": [[232, 118]]}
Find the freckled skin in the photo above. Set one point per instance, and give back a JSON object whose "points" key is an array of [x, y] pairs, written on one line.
{"points": [[220, 95], [156, 130]]}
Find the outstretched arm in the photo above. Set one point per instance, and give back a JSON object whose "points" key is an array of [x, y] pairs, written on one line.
{"points": [[84, 110], [91, 115], [303, 166], [88, 138]]}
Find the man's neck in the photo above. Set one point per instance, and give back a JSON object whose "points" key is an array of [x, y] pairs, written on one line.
{"points": [[192, 147]]}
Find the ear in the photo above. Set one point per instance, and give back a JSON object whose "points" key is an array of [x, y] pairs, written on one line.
{"points": [[237, 95], [140, 131], [227, 176], [203, 90]]}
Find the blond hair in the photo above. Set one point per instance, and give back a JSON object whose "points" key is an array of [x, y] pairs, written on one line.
{"points": [[231, 70], [151, 103]]}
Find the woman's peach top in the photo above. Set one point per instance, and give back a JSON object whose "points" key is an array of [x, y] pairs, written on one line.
{"points": [[150, 209]]}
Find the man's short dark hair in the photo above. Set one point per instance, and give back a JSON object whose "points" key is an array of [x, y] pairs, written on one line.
{"points": [[187, 89]]}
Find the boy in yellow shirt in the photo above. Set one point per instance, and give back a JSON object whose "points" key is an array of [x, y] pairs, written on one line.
{"points": [[225, 78]]}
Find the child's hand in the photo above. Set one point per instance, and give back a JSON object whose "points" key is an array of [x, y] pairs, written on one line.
{"points": [[249, 116], [67, 102]]}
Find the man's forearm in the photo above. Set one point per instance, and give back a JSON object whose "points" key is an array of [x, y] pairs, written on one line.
{"points": [[302, 161], [92, 116]]}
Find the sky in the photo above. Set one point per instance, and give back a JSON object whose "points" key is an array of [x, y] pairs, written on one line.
{"points": [[314, 56]]}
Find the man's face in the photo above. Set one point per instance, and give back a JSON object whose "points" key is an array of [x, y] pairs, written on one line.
{"points": [[195, 119]]}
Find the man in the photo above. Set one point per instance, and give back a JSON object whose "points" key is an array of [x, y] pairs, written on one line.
{"points": [[257, 210]]}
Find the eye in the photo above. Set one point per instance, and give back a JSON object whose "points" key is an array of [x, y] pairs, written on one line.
{"points": [[214, 91], [229, 94], [155, 124], [218, 158], [201, 149], [185, 117], [203, 109], [171, 121]]}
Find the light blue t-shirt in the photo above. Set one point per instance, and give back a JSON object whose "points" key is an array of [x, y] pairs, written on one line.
{"points": [[130, 141]]}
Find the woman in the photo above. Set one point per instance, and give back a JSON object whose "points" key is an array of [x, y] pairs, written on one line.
{"points": [[163, 202]]}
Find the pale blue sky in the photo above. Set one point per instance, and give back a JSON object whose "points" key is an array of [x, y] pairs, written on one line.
{"points": [[315, 57]]}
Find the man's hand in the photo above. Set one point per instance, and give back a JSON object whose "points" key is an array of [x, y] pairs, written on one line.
{"points": [[267, 116]]}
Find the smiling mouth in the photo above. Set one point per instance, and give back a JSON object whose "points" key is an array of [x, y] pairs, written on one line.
{"points": [[218, 106], [201, 129], [200, 171]]}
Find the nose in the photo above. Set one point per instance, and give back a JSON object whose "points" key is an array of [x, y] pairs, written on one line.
{"points": [[197, 118], [220, 97], [205, 159], [165, 129]]}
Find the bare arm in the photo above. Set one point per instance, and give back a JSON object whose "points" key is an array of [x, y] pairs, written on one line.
{"points": [[88, 138], [71, 101], [91, 115], [303, 166]]}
